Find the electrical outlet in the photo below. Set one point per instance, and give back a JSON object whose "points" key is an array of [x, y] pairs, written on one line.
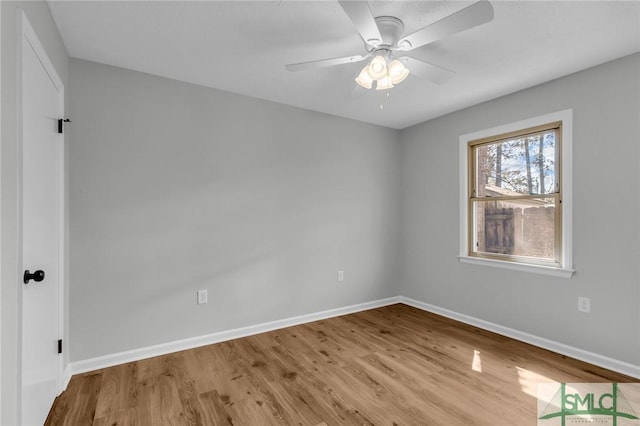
{"points": [[340, 275], [584, 304], [202, 297]]}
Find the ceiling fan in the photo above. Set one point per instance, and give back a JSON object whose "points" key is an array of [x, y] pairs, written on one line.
{"points": [[384, 43]]}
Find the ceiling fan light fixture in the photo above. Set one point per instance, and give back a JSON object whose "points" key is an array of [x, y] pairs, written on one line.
{"points": [[384, 83], [364, 79], [377, 68], [397, 71], [385, 75]]}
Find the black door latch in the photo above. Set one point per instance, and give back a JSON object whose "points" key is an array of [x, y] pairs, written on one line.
{"points": [[37, 276]]}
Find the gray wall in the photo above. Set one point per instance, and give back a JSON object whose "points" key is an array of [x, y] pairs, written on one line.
{"points": [[40, 18], [176, 187], [606, 105]]}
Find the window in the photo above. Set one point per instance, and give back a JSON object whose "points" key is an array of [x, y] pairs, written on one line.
{"points": [[515, 196]]}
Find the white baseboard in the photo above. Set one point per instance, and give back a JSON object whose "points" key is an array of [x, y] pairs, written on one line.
{"points": [[97, 363], [66, 377], [590, 357]]}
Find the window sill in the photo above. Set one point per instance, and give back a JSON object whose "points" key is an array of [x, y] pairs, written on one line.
{"points": [[536, 269]]}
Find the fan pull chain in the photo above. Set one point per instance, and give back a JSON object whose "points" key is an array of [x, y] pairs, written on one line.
{"points": [[383, 99]]}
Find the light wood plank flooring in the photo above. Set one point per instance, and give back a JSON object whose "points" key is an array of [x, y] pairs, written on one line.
{"points": [[395, 365]]}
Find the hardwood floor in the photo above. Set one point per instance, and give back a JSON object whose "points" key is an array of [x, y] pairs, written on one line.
{"points": [[395, 365]]}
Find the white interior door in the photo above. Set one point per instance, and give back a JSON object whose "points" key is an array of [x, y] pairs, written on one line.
{"points": [[41, 229]]}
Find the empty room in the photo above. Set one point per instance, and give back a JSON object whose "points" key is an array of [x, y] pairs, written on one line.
{"points": [[320, 213]]}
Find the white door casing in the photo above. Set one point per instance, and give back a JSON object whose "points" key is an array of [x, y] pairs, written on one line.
{"points": [[40, 100]]}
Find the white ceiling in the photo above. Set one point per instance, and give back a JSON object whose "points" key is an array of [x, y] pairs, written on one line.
{"points": [[242, 47]]}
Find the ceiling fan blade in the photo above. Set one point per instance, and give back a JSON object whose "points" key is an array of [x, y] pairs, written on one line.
{"points": [[360, 15], [477, 14], [427, 71], [323, 63]]}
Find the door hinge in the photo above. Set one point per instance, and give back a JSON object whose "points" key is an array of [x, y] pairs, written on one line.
{"points": [[60, 346], [61, 122]]}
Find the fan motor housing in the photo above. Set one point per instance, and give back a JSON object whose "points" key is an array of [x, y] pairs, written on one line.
{"points": [[391, 29]]}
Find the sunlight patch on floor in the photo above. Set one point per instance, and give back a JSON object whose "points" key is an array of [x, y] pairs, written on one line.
{"points": [[476, 363], [529, 381]]}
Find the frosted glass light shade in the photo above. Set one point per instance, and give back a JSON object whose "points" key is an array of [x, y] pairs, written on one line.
{"points": [[397, 71], [377, 67], [385, 75], [364, 79], [384, 83]]}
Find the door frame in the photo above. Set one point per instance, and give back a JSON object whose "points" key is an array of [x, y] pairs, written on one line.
{"points": [[27, 33]]}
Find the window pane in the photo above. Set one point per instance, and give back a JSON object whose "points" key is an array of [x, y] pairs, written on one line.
{"points": [[516, 227], [523, 165]]}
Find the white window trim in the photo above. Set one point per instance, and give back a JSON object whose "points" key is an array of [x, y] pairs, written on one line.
{"points": [[566, 269]]}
